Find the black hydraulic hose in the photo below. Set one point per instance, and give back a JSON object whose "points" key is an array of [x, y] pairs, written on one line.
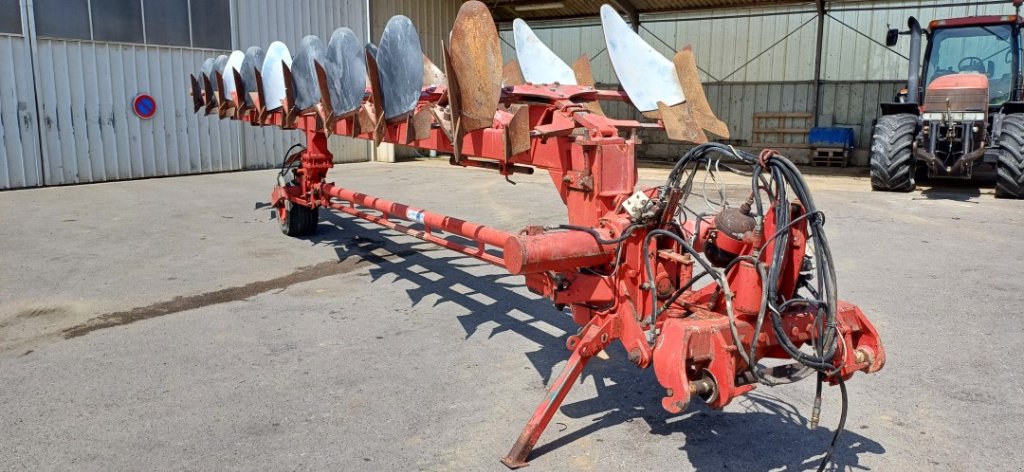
{"points": [[679, 292], [600, 240], [723, 283], [825, 461], [287, 161]]}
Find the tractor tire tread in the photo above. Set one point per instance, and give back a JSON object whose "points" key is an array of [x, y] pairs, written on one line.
{"points": [[1010, 164], [892, 157]]}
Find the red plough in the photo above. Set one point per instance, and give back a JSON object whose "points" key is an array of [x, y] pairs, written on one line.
{"points": [[704, 298]]}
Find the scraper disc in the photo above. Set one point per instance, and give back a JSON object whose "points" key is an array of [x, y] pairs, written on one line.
{"points": [[345, 65], [253, 61], [307, 92], [273, 74], [400, 61]]}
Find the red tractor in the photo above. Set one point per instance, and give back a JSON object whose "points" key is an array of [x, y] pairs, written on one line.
{"points": [[969, 113]]}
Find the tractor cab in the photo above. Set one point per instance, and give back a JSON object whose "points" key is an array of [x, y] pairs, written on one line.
{"points": [[986, 50]]}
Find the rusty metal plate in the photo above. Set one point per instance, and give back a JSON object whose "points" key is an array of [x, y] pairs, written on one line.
{"points": [[452, 126], [511, 74], [239, 102], [539, 64], [645, 75], [680, 125], [307, 91], [689, 77], [400, 64], [432, 75], [519, 130], [476, 63], [585, 76], [211, 99], [376, 96], [250, 65], [420, 124], [276, 59], [196, 92]]}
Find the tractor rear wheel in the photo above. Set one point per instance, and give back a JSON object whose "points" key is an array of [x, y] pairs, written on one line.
{"points": [[892, 157], [297, 220], [1010, 166]]}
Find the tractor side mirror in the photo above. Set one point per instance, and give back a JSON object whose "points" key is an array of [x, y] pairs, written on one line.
{"points": [[892, 37]]}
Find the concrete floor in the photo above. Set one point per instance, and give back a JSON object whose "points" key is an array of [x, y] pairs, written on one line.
{"points": [[167, 325]]}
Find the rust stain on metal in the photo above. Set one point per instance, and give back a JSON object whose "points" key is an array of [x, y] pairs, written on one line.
{"points": [[432, 75], [377, 96], [512, 74], [519, 130], [419, 125], [689, 78], [454, 128], [476, 63], [680, 125], [585, 76]]}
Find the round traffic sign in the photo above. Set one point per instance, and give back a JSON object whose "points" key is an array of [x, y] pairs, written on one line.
{"points": [[144, 106]]}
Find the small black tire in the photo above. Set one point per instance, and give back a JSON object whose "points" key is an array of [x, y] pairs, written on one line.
{"points": [[1010, 165], [297, 220], [892, 156]]}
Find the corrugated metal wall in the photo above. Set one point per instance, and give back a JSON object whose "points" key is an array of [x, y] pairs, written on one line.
{"points": [[263, 21], [762, 59], [89, 132], [19, 149]]}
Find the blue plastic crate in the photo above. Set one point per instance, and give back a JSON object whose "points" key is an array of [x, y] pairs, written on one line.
{"points": [[832, 138]]}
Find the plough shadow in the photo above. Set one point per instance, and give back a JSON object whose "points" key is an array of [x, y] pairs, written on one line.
{"points": [[772, 432]]}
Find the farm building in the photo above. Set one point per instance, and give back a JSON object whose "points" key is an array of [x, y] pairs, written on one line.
{"points": [[771, 70]]}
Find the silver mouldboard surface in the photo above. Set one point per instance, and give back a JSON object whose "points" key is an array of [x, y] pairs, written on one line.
{"points": [[539, 64], [307, 90], [273, 74], [253, 61], [207, 67], [401, 67], [218, 67], [645, 75], [235, 61], [345, 65]]}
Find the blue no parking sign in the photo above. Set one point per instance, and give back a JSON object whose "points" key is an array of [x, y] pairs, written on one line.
{"points": [[144, 106]]}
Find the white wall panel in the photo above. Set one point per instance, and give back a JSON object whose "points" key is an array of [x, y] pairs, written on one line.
{"points": [[262, 21], [20, 161], [90, 133]]}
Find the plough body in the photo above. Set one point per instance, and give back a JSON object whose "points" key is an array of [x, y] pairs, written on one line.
{"points": [[627, 261]]}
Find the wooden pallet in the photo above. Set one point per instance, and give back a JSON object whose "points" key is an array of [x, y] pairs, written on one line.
{"points": [[782, 130], [830, 156]]}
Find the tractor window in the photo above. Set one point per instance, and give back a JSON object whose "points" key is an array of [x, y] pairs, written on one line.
{"points": [[983, 49]]}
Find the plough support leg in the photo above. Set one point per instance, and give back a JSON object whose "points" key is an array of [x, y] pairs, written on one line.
{"points": [[592, 339], [516, 458]]}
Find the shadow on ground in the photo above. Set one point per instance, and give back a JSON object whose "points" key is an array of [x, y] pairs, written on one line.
{"points": [[956, 189], [770, 434]]}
